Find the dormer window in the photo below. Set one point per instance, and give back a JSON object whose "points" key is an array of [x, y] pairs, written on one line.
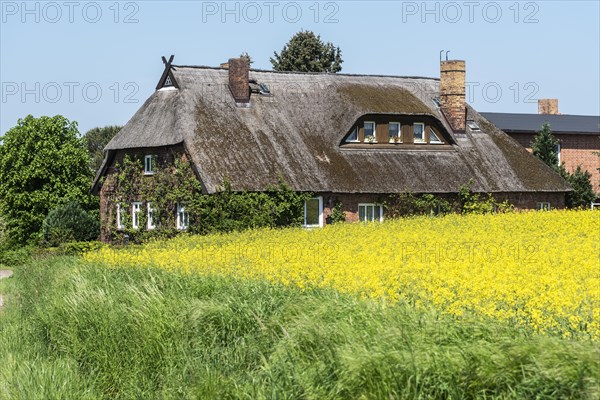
{"points": [[419, 132], [398, 132], [395, 132], [369, 132], [433, 137], [150, 164], [353, 137]]}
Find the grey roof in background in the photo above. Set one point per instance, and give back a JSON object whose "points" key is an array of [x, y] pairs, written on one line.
{"points": [[562, 123], [296, 134]]}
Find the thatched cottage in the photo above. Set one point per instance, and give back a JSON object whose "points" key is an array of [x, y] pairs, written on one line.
{"points": [[348, 138]]}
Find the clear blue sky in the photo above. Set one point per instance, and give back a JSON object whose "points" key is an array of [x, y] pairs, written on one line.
{"points": [[54, 56]]}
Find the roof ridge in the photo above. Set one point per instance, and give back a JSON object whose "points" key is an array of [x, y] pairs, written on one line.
{"points": [[310, 73]]}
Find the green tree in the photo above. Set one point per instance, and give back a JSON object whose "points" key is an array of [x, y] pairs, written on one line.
{"points": [[43, 164], [581, 183], [305, 52], [544, 146], [96, 140]]}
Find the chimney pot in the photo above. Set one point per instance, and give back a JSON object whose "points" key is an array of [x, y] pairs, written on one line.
{"points": [[239, 80], [548, 106], [452, 93]]}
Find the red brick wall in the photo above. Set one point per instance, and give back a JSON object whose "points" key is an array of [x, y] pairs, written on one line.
{"points": [[521, 201], [574, 150]]}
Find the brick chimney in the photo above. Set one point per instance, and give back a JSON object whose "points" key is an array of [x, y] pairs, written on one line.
{"points": [[452, 93], [239, 80], [547, 106]]}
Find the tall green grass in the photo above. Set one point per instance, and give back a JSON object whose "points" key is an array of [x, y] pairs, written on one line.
{"points": [[75, 331]]}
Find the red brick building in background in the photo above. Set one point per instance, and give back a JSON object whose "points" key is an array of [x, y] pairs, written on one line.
{"points": [[578, 135]]}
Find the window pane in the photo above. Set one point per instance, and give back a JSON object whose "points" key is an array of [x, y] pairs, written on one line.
{"points": [[433, 138], [361, 213], [353, 137], [418, 132], [369, 213], [394, 130], [369, 129], [312, 212]]}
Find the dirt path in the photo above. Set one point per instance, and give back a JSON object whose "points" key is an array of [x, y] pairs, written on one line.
{"points": [[4, 273]]}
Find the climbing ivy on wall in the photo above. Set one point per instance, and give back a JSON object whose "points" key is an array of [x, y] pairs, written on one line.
{"points": [[224, 211]]}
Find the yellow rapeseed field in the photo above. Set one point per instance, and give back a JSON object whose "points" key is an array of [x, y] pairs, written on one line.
{"points": [[537, 269]]}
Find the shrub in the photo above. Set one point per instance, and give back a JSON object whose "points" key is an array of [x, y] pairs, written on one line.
{"points": [[338, 214], [15, 257], [409, 204], [69, 223]]}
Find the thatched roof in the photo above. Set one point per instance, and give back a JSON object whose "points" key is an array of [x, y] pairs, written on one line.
{"points": [[296, 133]]}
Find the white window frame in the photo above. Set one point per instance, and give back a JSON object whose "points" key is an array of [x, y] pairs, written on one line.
{"points": [[150, 213], [558, 152], [149, 161], [120, 225], [136, 208], [374, 131], [320, 225], [354, 131], [371, 205], [439, 141], [181, 209], [543, 206], [420, 141], [399, 132]]}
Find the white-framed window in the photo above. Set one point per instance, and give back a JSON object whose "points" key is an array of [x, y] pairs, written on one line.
{"points": [[353, 136], [150, 218], [119, 217], [135, 214], [150, 165], [395, 132], [558, 152], [543, 206], [313, 212], [369, 132], [433, 137], [419, 132], [183, 217], [370, 212]]}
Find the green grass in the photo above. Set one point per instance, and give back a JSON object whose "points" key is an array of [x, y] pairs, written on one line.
{"points": [[75, 331]]}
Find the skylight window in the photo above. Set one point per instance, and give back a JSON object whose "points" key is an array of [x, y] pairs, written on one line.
{"points": [[473, 126]]}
